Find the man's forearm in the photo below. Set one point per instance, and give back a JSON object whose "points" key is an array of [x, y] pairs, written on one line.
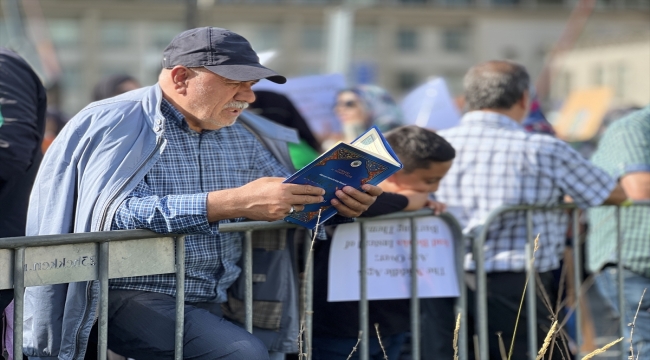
{"points": [[225, 204], [616, 197], [637, 185]]}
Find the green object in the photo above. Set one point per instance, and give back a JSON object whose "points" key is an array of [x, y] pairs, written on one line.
{"points": [[302, 154], [2, 120], [623, 149]]}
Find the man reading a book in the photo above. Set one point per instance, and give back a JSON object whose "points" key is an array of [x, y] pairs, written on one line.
{"points": [[169, 158]]}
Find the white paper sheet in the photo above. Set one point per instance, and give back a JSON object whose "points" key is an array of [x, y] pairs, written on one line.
{"points": [[389, 260]]}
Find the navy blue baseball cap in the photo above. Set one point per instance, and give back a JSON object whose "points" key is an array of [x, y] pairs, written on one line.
{"points": [[219, 50]]}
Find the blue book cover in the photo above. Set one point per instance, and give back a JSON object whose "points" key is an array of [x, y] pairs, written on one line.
{"points": [[367, 160]]}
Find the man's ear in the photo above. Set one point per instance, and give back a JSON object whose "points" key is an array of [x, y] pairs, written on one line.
{"points": [[393, 179], [180, 76], [525, 100]]}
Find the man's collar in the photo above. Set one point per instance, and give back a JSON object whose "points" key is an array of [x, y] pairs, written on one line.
{"points": [[490, 118], [170, 112]]}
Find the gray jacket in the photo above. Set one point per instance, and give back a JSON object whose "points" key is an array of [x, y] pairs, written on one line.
{"points": [[94, 163]]}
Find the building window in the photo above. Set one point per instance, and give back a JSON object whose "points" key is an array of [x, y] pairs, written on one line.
{"points": [[4, 37], [163, 33], [510, 53], [454, 82], [457, 2], [407, 80], [455, 40], [115, 34], [407, 40], [310, 69], [619, 85], [312, 37], [598, 76], [268, 38], [64, 33], [563, 84], [364, 39], [504, 2]]}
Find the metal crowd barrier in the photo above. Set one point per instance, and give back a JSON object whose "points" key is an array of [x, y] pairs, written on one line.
{"points": [[58, 259], [66, 258], [481, 275], [250, 227]]}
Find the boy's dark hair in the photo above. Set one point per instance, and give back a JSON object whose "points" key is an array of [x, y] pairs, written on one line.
{"points": [[417, 147]]}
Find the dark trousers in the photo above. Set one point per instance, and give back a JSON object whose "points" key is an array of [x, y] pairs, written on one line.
{"points": [[141, 326], [5, 298], [504, 297]]}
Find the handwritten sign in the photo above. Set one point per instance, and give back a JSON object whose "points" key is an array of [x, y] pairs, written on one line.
{"points": [[389, 260], [314, 96]]}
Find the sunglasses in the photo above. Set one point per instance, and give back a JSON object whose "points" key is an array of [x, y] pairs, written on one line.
{"points": [[347, 104]]}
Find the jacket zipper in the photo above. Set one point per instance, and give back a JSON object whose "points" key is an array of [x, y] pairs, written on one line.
{"points": [[83, 320], [101, 226]]}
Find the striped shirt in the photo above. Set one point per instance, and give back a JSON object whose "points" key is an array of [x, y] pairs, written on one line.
{"points": [[498, 163], [623, 149], [172, 199]]}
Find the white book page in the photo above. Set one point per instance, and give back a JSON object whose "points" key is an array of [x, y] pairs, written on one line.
{"points": [[370, 142]]}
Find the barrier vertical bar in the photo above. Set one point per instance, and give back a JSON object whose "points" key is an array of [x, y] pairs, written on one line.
{"points": [[577, 274], [619, 272], [364, 354], [180, 297], [415, 301], [248, 280], [460, 305], [19, 301], [531, 288], [102, 325], [309, 294], [481, 295]]}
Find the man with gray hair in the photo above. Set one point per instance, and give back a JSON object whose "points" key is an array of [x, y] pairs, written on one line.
{"points": [[498, 163], [178, 157]]}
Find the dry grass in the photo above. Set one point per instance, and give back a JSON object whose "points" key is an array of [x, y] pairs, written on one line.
{"points": [[302, 355], [521, 304], [547, 341], [502, 346], [381, 345], [602, 349], [354, 349], [632, 325], [456, 332]]}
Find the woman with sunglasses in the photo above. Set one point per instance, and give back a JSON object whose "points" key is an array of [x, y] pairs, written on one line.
{"points": [[362, 106]]}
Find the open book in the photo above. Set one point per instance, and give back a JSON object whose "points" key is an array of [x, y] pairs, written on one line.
{"points": [[367, 160]]}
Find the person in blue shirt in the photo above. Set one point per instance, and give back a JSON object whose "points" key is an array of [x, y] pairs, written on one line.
{"points": [[171, 158]]}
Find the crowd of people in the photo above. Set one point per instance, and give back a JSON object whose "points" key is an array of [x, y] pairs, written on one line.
{"points": [[201, 148]]}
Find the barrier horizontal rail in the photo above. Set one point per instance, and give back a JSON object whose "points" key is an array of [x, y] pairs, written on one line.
{"points": [[56, 259], [478, 243]]}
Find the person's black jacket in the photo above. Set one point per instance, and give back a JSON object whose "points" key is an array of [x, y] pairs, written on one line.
{"points": [[22, 107]]}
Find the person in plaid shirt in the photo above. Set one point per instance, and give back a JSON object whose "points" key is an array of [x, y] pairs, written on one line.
{"points": [[624, 153], [171, 158], [499, 163]]}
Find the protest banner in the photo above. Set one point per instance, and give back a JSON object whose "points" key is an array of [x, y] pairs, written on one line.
{"points": [[431, 106], [314, 96], [582, 115], [389, 260]]}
